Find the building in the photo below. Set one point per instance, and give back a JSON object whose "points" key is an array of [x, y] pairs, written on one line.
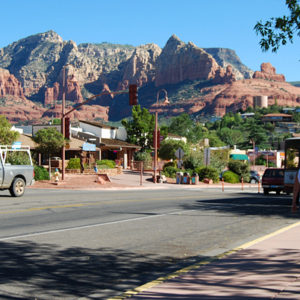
{"points": [[275, 118]]}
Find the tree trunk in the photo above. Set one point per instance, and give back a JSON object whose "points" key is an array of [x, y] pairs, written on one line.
{"points": [[49, 167]]}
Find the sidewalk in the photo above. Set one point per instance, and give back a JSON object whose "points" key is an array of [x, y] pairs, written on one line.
{"points": [[268, 268], [126, 180]]}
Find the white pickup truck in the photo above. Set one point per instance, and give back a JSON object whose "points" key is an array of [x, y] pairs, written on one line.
{"points": [[16, 169]]}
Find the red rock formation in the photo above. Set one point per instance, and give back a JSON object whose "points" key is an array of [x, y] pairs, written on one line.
{"points": [[268, 72], [73, 92], [9, 85], [179, 61], [224, 76]]}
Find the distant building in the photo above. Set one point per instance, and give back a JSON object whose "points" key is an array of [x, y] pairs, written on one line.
{"points": [[260, 101], [275, 118]]}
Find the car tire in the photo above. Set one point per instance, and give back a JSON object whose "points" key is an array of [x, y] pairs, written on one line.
{"points": [[266, 191], [17, 188]]}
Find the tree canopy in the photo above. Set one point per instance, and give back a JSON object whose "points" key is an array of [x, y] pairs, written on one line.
{"points": [[7, 136], [49, 141], [278, 31], [141, 128]]}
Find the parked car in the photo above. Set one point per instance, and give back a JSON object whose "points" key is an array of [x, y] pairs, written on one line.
{"points": [[16, 169], [273, 180], [254, 177]]}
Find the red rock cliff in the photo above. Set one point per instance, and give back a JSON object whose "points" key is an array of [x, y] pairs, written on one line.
{"points": [[268, 72], [9, 85]]}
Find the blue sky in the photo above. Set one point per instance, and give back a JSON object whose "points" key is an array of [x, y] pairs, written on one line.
{"points": [[206, 23]]}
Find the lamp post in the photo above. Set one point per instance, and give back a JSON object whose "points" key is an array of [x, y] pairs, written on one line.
{"points": [[166, 101], [63, 153]]}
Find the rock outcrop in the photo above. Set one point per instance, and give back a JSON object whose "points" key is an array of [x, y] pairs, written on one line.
{"points": [[224, 76], [10, 86], [179, 61], [268, 72]]}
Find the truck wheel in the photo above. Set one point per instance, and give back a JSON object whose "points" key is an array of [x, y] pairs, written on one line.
{"points": [[17, 188]]}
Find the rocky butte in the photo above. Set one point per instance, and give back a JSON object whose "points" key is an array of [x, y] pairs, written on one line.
{"points": [[198, 80]]}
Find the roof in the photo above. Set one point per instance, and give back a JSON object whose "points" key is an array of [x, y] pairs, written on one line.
{"points": [[98, 124], [117, 143], [239, 156], [26, 140], [277, 115]]}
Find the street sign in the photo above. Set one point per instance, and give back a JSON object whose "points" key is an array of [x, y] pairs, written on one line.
{"points": [[88, 147], [179, 153]]}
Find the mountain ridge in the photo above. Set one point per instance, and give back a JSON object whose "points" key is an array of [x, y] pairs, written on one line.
{"points": [[38, 61]]}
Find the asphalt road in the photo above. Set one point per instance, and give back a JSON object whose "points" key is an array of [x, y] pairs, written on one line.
{"points": [[96, 244]]}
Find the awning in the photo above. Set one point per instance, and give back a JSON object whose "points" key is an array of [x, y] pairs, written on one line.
{"points": [[239, 156]]}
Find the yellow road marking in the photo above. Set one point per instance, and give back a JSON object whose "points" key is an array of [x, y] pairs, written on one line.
{"points": [[197, 265]]}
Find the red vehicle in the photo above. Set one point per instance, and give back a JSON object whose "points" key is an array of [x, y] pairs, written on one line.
{"points": [[273, 180]]}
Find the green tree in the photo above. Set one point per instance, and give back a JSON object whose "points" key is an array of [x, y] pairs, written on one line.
{"points": [[7, 136], [141, 128], [49, 141], [181, 125], [168, 148], [278, 31], [255, 134], [231, 137]]}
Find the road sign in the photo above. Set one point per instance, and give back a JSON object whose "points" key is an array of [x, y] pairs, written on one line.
{"points": [[88, 147], [179, 153]]}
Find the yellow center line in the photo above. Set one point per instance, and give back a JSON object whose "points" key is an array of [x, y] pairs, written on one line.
{"points": [[4, 212]]}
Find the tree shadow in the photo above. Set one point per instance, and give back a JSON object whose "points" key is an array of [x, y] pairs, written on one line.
{"points": [[248, 204], [247, 274], [45, 271]]}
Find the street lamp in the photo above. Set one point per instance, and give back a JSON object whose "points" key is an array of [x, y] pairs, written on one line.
{"points": [[166, 101], [63, 129]]}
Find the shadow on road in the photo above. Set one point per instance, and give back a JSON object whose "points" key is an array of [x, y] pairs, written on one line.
{"points": [[43, 271], [248, 204]]}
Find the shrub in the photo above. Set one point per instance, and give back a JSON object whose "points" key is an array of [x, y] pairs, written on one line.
{"points": [[241, 168], [170, 164], [106, 164], [40, 173], [170, 171], [208, 172], [231, 177], [74, 163]]}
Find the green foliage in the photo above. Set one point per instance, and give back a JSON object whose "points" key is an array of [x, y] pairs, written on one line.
{"points": [[40, 173], [194, 160], [262, 161], [17, 158], [231, 177], [231, 137], [143, 156], [208, 172], [277, 31], [49, 141], [7, 136], [141, 128], [219, 159], [170, 164], [74, 163], [168, 148], [106, 162], [241, 168], [170, 171]]}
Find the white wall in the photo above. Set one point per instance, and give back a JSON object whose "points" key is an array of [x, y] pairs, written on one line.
{"points": [[121, 134]]}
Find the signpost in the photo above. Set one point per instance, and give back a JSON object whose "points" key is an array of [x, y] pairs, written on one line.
{"points": [[179, 154]]}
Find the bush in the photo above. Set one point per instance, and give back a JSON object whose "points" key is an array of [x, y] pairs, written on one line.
{"points": [[74, 163], [170, 164], [231, 177], [106, 163], [207, 172], [240, 168], [170, 171], [40, 173]]}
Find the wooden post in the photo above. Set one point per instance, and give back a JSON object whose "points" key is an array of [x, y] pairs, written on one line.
{"points": [[141, 172]]}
